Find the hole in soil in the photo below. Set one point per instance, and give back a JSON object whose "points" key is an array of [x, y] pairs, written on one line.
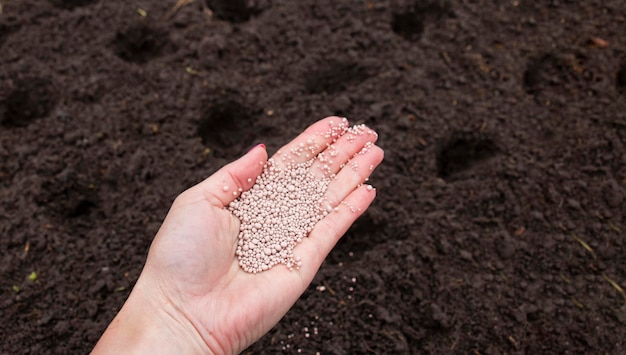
{"points": [[68, 195], [335, 77], [29, 99], [410, 22], [409, 25], [139, 43], [462, 152], [621, 79], [541, 72], [226, 128], [554, 70], [235, 11], [70, 4], [79, 207], [4, 31]]}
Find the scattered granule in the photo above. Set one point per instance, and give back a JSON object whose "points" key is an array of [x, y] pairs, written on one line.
{"points": [[285, 204]]}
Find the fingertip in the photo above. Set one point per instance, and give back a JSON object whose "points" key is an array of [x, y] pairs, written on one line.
{"points": [[331, 228], [351, 208], [230, 181], [335, 118], [378, 155], [359, 201], [322, 126], [369, 194], [370, 188], [260, 145], [250, 167]]}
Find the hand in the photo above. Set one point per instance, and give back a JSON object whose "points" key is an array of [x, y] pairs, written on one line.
{"points": [[192, 296]]}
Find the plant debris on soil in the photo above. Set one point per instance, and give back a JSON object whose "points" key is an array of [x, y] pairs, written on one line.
{"points": [[500, 217]]}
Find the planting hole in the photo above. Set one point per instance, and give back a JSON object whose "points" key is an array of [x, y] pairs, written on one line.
{"points": [[542, 72], [139, 43], [463, 151], [69, 195], [4, 31], [409, 22], [70, 4], [79, 207], [235, 11], [226, 127], [29, 99], [408, 25], [550, 70], [621, 79]]}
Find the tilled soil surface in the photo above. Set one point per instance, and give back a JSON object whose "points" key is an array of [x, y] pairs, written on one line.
{"points": [[499, 226]]}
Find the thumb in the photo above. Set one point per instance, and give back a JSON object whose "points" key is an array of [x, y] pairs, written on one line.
{"points": [[226, 184]]}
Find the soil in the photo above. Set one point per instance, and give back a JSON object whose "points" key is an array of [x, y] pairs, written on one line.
{"points": [[500, 217]]}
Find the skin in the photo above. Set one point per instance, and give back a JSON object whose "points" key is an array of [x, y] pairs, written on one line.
{"points": [[193, 298]]}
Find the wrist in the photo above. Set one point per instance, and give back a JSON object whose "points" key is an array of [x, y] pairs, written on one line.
{"points": [[146, 325]]}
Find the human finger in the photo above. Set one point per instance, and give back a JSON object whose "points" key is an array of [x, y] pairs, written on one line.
{"points": [[314, 249], [311, 142], [356, 139], [354, 173], [229, 182]]}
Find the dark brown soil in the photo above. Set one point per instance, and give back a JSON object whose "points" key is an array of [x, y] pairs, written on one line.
{"points": [[499, 226]]}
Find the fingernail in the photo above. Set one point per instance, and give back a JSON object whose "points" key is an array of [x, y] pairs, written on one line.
{"points": [[256, 146]]}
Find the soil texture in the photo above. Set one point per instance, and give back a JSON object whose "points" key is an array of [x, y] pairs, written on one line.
{"points": [[501, 210]]}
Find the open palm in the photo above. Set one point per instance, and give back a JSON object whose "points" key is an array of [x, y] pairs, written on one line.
{"points": [[192, 271]]}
